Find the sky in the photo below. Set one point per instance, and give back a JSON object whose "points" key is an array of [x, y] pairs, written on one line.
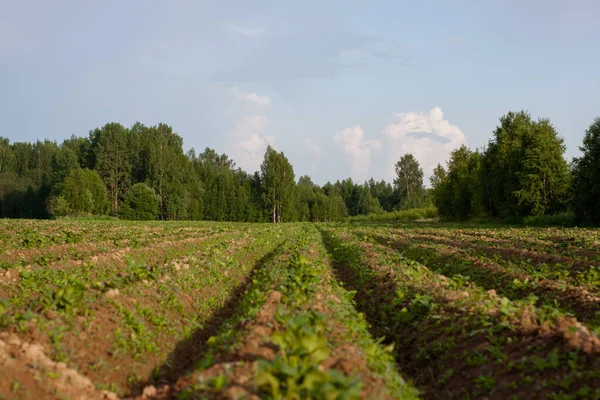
{"points": [[343, 88]]}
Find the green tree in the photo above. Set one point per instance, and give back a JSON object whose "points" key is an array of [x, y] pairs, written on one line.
{"points": [[85, 192], [141, 203], [438, 176], [278, 185], [454, 191], [367, 204], [81, 147], [63, 162], [7, 159], [409, 183], [165, 168], [110, 157], [328, 208], [58, 207], [12, 192], [523, 171], [215, 173], [305, 197], [586, 176], [384, 192]]}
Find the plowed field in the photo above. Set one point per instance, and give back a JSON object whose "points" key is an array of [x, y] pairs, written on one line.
{"points": [[184, 310]]}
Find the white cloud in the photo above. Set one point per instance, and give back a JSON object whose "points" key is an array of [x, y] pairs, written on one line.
{"points": [[374, 143], [261, 101], [314, 148], [246, 31], [429, 137], [357, 149], [249, 141]]}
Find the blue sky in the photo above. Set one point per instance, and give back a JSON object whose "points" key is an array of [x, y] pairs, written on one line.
{"points": [[343, 88]]}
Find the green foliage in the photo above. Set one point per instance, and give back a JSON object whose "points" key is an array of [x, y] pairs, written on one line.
{"points": [[67, 298], [295, 372], [586, 176], [58, 207], [328, 208], [137, 271], [85, 192], [523, 171], [409, 183], [112, 159], [456, 191], [4, 306], [566, 220], [399, 216], [140, 203], [278, 185]]}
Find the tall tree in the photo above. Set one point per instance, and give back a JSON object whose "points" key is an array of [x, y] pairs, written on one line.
{"points": [[586, 176], [523, 170], [305, 197], [409, 183], [455, 190], [7, 161], [278, 184], [111, 159], [166, 169], [384, 192]]}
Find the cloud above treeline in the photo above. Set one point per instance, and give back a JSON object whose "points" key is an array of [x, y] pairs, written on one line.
{"points": [[253, 98], [426, 135], [312, 147], [357, 150], [250, 141], [429, 136]]}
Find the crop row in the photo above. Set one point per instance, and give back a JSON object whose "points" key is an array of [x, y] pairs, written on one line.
{"points": [[581, 268], [455, 339], [117, 322], [580, 298], [573, 242], [97, 239], [294, 335]]}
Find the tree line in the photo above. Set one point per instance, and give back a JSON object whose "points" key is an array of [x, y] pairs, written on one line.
{"points": [[521, 172], [142, 172]]}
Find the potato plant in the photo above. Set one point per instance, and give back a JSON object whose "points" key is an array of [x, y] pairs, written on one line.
{"points": [[195, 310]]}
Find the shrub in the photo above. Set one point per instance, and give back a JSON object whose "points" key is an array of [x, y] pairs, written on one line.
{"points": [[58, 207], [140, 203], [399, 216], [84, 192]]}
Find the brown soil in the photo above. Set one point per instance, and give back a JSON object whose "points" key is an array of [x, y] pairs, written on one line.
{"points": [[511, 252], [578, 300], [187, 353], [90, 341], [33, 375], [114, 259], [518, 239], [239, 363], [182, 356], [435, 350]]}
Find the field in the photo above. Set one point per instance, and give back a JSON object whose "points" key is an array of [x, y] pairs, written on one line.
{"points": [[183, 310]]}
